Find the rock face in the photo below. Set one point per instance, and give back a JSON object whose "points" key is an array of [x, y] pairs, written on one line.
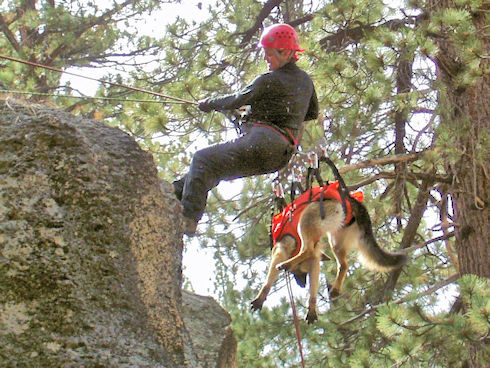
{"points": [[90, 250], [211, 335]]}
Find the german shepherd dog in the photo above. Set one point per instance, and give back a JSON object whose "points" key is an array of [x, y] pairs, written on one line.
{"points": [[342, 238]]}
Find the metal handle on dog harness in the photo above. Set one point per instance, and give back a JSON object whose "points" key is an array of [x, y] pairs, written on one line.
{"points": [[278, 189], [313, 170], [297, 174], [324, 151], [313, 160], [297, 177]]}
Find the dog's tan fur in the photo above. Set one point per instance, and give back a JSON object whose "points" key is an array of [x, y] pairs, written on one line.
{"points": [[342, 239]]}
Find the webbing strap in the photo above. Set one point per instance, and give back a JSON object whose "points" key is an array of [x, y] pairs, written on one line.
{"points": [[343, 191], [296, 187], [285, 134]]}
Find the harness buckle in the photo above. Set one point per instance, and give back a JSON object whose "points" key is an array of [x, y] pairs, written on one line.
{"points": [[278, 189], [313, 160], [297, 174], [323, 150]]}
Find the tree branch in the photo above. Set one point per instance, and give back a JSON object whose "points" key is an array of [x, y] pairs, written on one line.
{"points": [[382, 161], [253, 205], [300, 21], [416, 215], [10, 36], [410, 176], [264, 13], [97, 21], [421, 245], [372, 179], [429, 291], [409, 232], [345, 36]]}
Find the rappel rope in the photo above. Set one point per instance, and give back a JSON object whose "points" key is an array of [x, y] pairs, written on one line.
{"points": [[136, 89], [295, 318], [280, 204], [101, 98]]}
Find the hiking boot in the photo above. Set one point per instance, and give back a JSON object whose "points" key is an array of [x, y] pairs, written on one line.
{"points": [[190, 226], [178, 187]]}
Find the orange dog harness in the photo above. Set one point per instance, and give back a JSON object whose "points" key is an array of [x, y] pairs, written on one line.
{"points": [[286, 222]]}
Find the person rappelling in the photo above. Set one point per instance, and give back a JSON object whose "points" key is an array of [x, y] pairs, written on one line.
{"points": [[280, 101]]}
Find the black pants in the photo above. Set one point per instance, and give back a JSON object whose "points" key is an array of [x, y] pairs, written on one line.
{"points": [[260, 151]]}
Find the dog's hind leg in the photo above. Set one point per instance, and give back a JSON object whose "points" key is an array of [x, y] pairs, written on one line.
{"points": [[281, 251], [307, 232], [340, 252], [314, 273], [312, 227], [341, 243]]}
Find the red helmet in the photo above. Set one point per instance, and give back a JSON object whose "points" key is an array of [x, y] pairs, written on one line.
{"points": [[280, 36]]}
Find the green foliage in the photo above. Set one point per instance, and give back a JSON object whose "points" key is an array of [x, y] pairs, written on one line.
{"points": [[355, 51], [440, 339], [457, 25]]}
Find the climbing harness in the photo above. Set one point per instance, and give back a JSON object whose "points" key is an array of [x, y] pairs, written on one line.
{"points": [[286, 221], [136, 89], [284, 133], [241, 121]]}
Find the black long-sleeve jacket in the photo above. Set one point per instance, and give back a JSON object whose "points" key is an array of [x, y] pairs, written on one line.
{"points": [[284, 97]]}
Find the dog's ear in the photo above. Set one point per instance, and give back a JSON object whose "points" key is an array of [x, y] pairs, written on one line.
{"points": [[325, 257]]}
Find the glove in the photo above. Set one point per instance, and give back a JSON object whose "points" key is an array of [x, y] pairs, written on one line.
{"points": [[205, 106]]}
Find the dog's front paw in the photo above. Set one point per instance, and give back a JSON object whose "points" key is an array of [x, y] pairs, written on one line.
{"points": [[256, 304], [332, 292], [283, 266], [312, 316]]}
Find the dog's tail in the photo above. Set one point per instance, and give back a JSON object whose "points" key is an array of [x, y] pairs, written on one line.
{"points": [[371, 255]]}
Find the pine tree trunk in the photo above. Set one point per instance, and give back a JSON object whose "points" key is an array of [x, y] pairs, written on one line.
{"points": [[470, 191], [466, 116]]}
